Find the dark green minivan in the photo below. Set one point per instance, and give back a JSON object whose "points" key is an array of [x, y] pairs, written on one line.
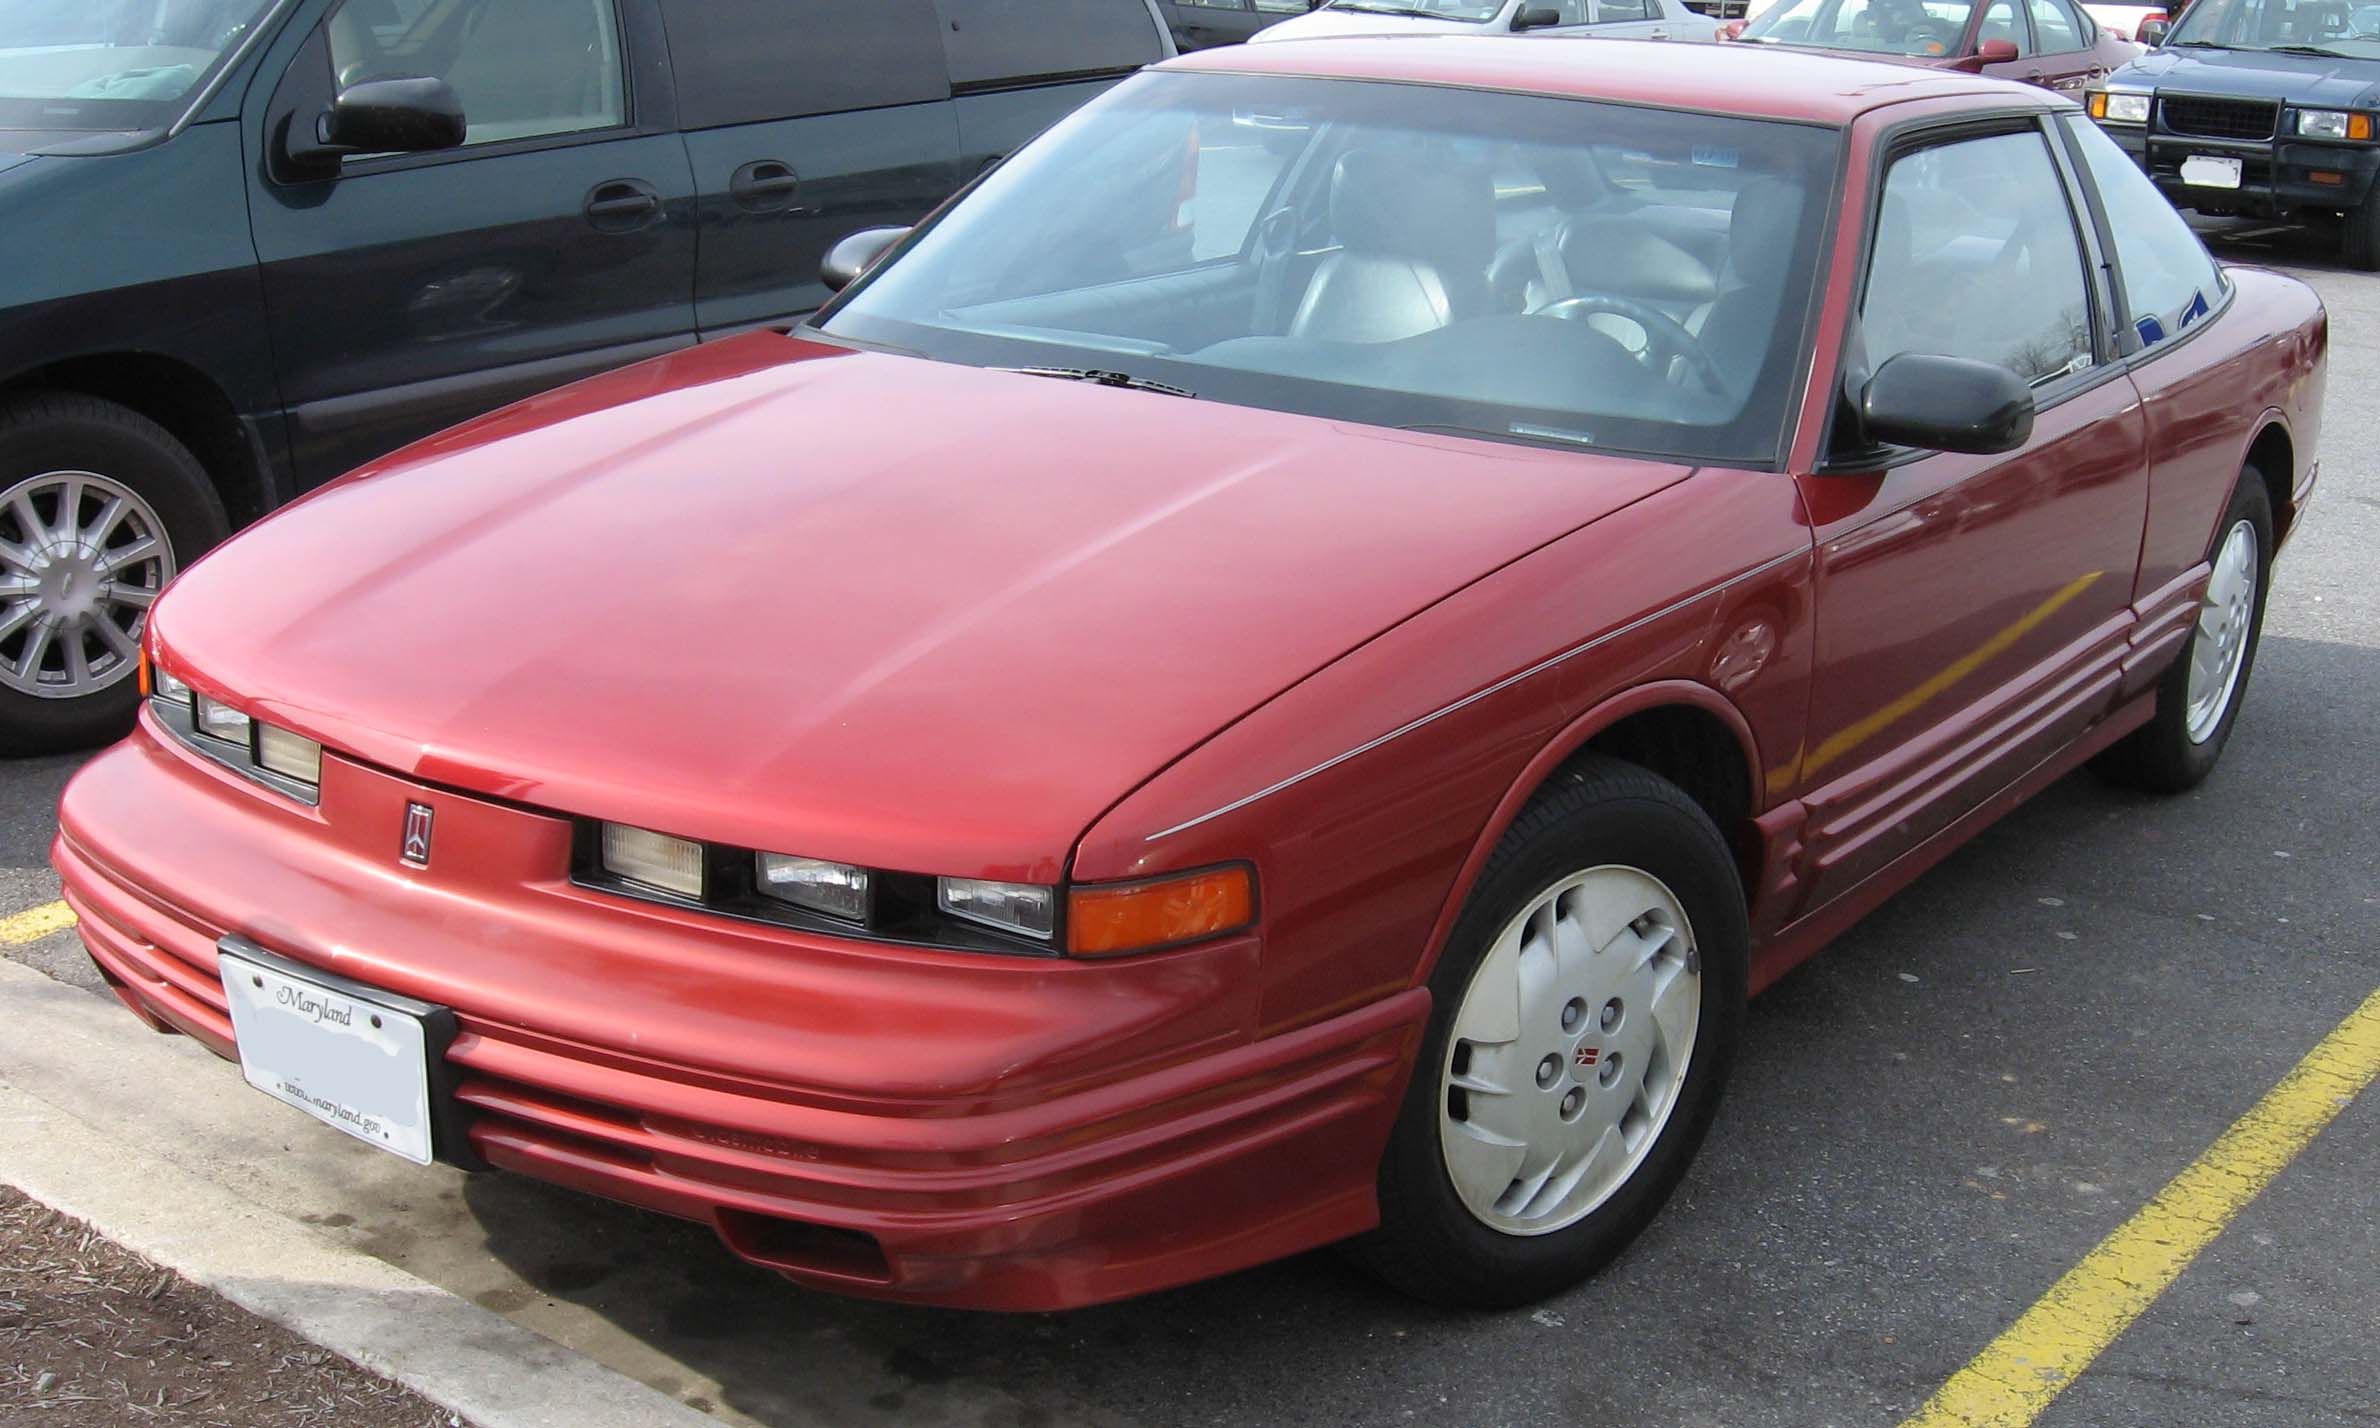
{"points": [[246, 245]]}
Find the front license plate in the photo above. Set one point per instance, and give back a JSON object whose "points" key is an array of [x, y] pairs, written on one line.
{"points": [[2206, 171], [344, 1057]]}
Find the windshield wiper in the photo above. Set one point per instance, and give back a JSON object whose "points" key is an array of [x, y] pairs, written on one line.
{"points": [[1105, 379], [1412, 10], [2307, 50], [2195, 45]]}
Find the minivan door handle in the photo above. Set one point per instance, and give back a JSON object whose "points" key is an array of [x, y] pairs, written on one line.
{"points": [[623, 206], [764, 186]]}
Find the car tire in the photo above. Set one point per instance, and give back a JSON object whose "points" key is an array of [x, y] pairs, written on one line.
{"points": [[2359, 237], [1529, 956], [2199, 697], [143, 508]]}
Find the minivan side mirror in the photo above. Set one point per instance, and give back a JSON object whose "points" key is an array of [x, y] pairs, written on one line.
{"points": [[856, 254], [1946, 404], [2153, 32], [384, 116], [1536, 17]]}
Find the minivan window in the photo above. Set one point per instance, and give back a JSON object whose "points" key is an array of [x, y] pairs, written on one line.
{"points": [[1658, 307], [749, 61], [524, 69], [994, 42], [112, 64]]}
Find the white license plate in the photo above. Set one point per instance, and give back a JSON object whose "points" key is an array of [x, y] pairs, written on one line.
{"points": [[346, 1060], [2204, 171]]}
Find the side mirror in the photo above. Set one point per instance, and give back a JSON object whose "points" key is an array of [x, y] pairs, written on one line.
{"points": [[383, 116], [1536, 17], [856, 254], [1946, 404], [1990, 52], [2154, 30]]}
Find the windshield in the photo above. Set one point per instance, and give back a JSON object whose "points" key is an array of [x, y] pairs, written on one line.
{"points": [[2349, 32], [111, 64], [1921, 29], [1527, 268], [1423, 9]]}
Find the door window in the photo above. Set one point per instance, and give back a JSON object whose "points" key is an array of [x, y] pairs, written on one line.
{"points": [[2055, 26], [2169, 281], [1001, 41], [2002, 22], [524, 69], [1976, 256], [1614, 11], [747, 62]]}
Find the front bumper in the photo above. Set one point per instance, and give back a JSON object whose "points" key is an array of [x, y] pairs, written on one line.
{"points": [[2277, 174], [987, 1132]]}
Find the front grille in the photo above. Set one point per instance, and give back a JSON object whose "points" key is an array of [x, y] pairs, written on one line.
{"points": [[2220, 118]]}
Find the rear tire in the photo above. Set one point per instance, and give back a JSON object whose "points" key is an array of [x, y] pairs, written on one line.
{"points": [[99, 507], [1576, 1049], [2179, 746]]}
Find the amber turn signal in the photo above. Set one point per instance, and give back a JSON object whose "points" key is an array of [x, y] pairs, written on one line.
{"points": [[1162, 912], [2359, 126], [142, 672], [2099, 106]]}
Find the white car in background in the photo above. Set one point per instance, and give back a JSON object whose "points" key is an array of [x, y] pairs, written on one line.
{"points": [[1604, 19], [2122, 21]]}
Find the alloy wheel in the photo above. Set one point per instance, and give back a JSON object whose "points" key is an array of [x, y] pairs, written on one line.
{"points": [[2219, 649], [1569, 1049], [82, 558]]}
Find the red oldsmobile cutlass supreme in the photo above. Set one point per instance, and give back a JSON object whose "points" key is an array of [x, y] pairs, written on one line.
{"points": [[1276, 674]]}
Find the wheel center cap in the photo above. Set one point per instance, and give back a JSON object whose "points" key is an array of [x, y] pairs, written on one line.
{"points": [[68, 583]]}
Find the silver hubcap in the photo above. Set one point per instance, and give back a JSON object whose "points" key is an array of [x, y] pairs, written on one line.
{"points": [[2220, 647], [81, 560], [1569, 1049]]}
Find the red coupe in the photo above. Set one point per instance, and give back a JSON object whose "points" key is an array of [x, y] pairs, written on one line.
{"points": [[1275, 674]]}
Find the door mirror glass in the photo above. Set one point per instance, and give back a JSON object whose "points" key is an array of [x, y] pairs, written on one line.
{"points": [[1536, 17], [1941, 403], [855, 255], [392, 116]]}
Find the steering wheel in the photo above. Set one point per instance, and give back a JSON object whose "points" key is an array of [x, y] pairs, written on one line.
{"points": [[1931, 37], [1663, 333]]}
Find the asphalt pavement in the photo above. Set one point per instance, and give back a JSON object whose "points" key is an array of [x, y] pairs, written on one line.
{"points": [[1931, 1122]]}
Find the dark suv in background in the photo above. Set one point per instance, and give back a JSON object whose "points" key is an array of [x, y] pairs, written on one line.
{"points": [[253, 243], [2260, 107]]}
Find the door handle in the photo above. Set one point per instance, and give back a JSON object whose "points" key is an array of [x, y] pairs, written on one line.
{"points": [[764, 186], [623, 206]]}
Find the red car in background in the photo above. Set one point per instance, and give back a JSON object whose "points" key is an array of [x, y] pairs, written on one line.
{"points": [[1276, 674], [2052, 43]]}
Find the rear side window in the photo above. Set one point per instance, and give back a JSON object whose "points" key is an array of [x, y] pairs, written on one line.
{"points": [[524, 69], [746, 61], [1609, 12], [996, 42], [2169, 281], [2055, 25]]}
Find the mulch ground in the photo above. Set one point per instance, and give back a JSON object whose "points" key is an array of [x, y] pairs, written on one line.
{"points": [[94, 1336]]}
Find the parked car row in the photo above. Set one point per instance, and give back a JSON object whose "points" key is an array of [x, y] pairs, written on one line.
{"points": [[1276, 674], [254, 243]]}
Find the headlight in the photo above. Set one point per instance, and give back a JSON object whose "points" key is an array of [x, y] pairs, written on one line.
{"points": [[172, 691], [2333, 124], [1028, 908], [655, 859], [289, 755], [221, 721], [2120, 108], [836, 889]]}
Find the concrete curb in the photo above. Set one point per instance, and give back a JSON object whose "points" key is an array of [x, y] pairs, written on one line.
{"points": [[492, 1372]]}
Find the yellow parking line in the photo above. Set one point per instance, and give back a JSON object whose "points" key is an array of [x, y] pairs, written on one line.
{"points": [[2014, 1379], [35, 924]]}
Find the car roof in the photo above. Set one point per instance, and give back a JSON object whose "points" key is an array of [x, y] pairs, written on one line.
{"points": [[1752, 81]]}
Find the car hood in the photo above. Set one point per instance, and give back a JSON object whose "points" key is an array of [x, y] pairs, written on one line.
{"points": [[850, 605], [1323, 24], [2255, 74]]}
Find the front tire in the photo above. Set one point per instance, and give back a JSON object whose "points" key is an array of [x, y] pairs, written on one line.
{"points": [[2359, 236], [99, 506], [2199, 698], [1585, 1017]]}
